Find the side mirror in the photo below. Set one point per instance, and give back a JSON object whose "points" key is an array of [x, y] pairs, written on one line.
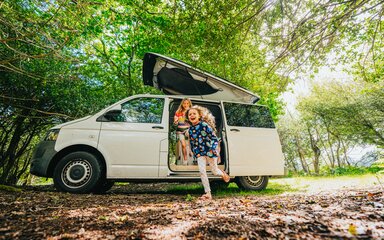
{"points": [[113, 115]]}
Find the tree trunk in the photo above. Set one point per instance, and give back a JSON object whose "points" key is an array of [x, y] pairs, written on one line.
{"points": [[301, 155], [10, 151], [316, 152], [14, 163], [338, 152], [332, 159], [345, 154], [325, 149]]}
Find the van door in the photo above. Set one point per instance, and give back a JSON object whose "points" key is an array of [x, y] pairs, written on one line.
{"points": [[131, 142], [253, 142]]}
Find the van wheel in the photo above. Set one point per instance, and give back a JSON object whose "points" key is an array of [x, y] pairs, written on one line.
{"points": [[252, 182], [104, 186], [77, 172]]}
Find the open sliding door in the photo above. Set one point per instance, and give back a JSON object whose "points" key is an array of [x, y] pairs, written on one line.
{"points": [[253, 142]]}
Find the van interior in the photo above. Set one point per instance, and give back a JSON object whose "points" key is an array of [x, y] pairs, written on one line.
{"points": [[175, 156]]}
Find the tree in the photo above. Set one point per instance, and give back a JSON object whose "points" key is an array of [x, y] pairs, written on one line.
{"points": [[350, 109], [345, 115], [37, 87], [65, 59], [294, 142]]}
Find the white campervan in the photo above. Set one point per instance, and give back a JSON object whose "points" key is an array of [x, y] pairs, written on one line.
{"points": [[135, 140]]}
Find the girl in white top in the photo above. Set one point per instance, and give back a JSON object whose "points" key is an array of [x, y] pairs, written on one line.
{"points": [[182, 125]]}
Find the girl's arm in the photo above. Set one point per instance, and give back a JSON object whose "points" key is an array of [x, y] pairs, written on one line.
{"points": [[175, 119]]}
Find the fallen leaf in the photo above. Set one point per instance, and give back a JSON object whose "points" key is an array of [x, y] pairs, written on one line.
{"points": [[352, 229]]}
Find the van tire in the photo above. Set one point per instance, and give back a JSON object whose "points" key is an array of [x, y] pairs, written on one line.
{"points": [[103, 186], [218, 185], [77, 172], [252, 182]]}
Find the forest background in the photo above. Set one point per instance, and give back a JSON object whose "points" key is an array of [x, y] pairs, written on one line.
{"points": [[65, 59]]}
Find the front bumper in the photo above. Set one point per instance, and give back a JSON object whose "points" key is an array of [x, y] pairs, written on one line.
{"points": [[42, 157]]}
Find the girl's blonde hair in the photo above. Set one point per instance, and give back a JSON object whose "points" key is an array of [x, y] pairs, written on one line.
{"points": [[205, 115], [181, 108]]}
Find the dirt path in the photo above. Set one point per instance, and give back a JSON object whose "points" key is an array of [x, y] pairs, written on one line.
{"points": [[137, 211]]}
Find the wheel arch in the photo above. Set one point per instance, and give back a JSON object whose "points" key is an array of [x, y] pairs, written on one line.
{"points": [[75, 148]]}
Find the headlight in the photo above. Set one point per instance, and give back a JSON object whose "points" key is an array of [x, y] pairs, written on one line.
{"points": [[52, 135]]}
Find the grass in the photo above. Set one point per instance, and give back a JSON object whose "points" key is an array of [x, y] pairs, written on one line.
{"points": [[41, 181], [9, 188], [192, 188], [333, 183], [272, 189], [277, 186], [232, 190]]}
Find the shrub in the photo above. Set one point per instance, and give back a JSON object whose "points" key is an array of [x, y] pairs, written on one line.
{"points": [[350, 170]]}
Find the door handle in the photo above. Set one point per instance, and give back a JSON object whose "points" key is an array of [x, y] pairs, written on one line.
{"points": [[157, 127], [235, 130]]}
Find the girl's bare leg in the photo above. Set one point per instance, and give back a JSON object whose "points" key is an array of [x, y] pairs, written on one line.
{"points": [[215, 169], [204, 178], [184, 149]]}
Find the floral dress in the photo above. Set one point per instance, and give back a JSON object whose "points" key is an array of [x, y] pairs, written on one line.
{"points": [[203, 140]]}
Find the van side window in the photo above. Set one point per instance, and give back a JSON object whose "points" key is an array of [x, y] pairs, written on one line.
{"points": [[242, 115], [143, 110]]}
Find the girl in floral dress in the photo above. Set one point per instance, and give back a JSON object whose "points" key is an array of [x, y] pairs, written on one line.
{"points": [[204, 144]]}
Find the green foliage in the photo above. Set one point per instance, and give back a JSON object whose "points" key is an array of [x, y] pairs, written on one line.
{"points": [[334, 119], [189, 198], [34, 180], [339, 171], [354, 110], [350, 170], [36, 85]]}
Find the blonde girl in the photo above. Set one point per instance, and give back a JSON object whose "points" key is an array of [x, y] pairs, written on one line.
{"points": [[204, 144], [207, 117], [182, 125]]}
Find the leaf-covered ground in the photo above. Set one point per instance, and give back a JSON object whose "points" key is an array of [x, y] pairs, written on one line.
{"points": [[149, 211]]}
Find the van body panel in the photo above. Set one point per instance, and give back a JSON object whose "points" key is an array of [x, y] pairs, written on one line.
{"points": [[135, 153], [133, 149], [254, 152], [163, 159], [85, 132], [73, 122]]}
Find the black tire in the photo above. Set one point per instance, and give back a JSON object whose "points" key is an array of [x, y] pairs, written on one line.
{"points": [[252, 182], [77, 172], [104, 186], [218, 185]]}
